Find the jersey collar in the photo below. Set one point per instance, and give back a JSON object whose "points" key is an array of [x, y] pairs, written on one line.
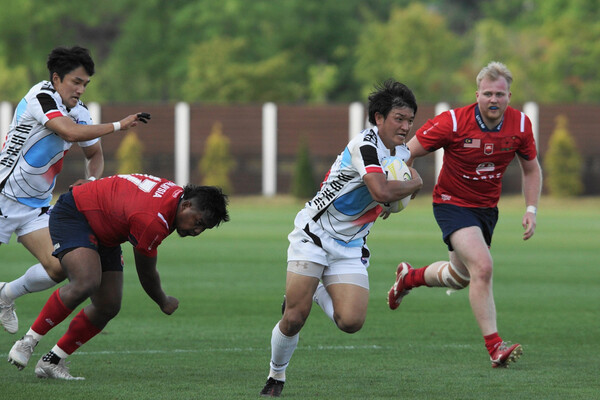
{"points": [[482, 125]]}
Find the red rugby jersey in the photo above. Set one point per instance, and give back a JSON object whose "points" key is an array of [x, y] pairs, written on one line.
{"points": [[475, 158], [136, 208]]}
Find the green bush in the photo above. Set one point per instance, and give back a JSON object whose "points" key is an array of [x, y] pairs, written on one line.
{"points": [[303, 184], [217, 162], [563, 163], [129, 154]]}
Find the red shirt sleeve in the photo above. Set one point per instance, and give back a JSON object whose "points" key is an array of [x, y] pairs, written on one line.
{"points": [[436, 132], [147, 233]]}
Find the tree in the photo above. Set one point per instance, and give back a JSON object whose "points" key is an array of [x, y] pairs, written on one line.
{"points": [[414, 47], [225, 78], [129, 154], [563, 162], [303, 183], [307, 50], [217, 162], [12, 81]]}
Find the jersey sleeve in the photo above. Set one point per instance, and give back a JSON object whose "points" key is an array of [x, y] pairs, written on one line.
{"points": [[88, 143], [435, 133], [367, 160], [146, 234], [81, 116], [364, 154], [527, 150], [45, 108]]}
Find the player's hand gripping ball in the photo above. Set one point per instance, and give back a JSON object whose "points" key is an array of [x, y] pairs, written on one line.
{"points": [[396, 170]]}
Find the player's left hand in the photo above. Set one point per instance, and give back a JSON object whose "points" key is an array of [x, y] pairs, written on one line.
{"points": [[529, 222], [171, 304], [385, 214]]}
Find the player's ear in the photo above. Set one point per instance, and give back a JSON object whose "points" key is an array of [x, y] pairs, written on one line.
{"points": [[185, 204]]}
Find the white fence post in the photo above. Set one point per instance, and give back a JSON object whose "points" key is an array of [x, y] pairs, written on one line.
{"points": [[182, 143], [439, 154], [532, 110], [6, 112], [95, 112], [356, 122], [269, 149]]}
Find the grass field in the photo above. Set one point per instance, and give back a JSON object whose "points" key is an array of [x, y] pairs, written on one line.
{"points": [[230, 283]]}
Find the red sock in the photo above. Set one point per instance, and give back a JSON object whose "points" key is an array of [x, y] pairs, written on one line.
{"points": [[80, 331], [492, 341], [53, 313], [415, 278]]}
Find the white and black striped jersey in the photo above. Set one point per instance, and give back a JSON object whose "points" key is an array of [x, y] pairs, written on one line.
{"points": [[32, 155], [343, 206]]}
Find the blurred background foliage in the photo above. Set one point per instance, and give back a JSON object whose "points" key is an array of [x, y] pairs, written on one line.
{"points": [[306, 51]]}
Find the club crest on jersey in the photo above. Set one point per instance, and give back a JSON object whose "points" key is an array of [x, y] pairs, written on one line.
{"points": [[488, 149]]}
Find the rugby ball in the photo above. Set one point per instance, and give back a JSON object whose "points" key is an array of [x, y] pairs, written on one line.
{"points": [[396, 170]]}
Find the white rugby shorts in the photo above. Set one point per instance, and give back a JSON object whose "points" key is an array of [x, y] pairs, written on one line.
{"points": [[19, 219], [319, 247]]}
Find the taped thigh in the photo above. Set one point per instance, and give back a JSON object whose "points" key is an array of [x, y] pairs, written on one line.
{"points": [[350, 279], [306, 268]]}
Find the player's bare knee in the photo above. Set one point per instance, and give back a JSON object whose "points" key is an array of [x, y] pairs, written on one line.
{"points": [[110, 310], [292, 321], [78, 290], [349, 325], [482, 273], [451, 277], [53, 268]]}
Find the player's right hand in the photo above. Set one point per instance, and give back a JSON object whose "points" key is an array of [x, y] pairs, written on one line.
{"points": [[171, 304], [132, 120], [143, 117]]}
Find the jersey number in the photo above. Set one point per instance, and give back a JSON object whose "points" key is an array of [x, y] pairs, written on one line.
{"points": [[146, 184]]}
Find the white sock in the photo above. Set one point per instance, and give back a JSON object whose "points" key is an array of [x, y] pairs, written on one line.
{"points": [[323, 299], [35, 279], [282, 348], [59, 352], [34, 334]]}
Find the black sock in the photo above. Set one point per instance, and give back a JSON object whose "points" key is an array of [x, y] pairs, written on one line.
{"points": [[51, 357]]}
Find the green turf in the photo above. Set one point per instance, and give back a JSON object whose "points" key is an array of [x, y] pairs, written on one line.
{"points": [[230, 283]]}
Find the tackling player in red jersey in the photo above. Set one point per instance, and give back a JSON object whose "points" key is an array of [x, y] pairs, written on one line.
{"points": [[479, 142], [87, 226]]}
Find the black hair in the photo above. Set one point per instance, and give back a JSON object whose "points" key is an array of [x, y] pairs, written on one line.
{"points": [[210, 200], [63, 60], [388, 95]]}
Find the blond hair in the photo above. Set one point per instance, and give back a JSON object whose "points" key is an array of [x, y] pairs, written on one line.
{"points": [[493, 71]]}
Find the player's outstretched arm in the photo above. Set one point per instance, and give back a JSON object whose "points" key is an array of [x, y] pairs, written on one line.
{"points": [[72, 132], [150, 280]]}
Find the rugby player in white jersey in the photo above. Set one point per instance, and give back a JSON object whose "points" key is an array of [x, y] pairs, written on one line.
{"points": [[47, 121], [328, 254]]}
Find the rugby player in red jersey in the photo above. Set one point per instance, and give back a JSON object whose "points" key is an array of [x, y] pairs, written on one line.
{"points": [[479, 142], [87, 226]]}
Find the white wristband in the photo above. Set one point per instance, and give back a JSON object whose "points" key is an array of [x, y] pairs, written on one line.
{"points": [[92, 178], [116, 126], [531, 209]]}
